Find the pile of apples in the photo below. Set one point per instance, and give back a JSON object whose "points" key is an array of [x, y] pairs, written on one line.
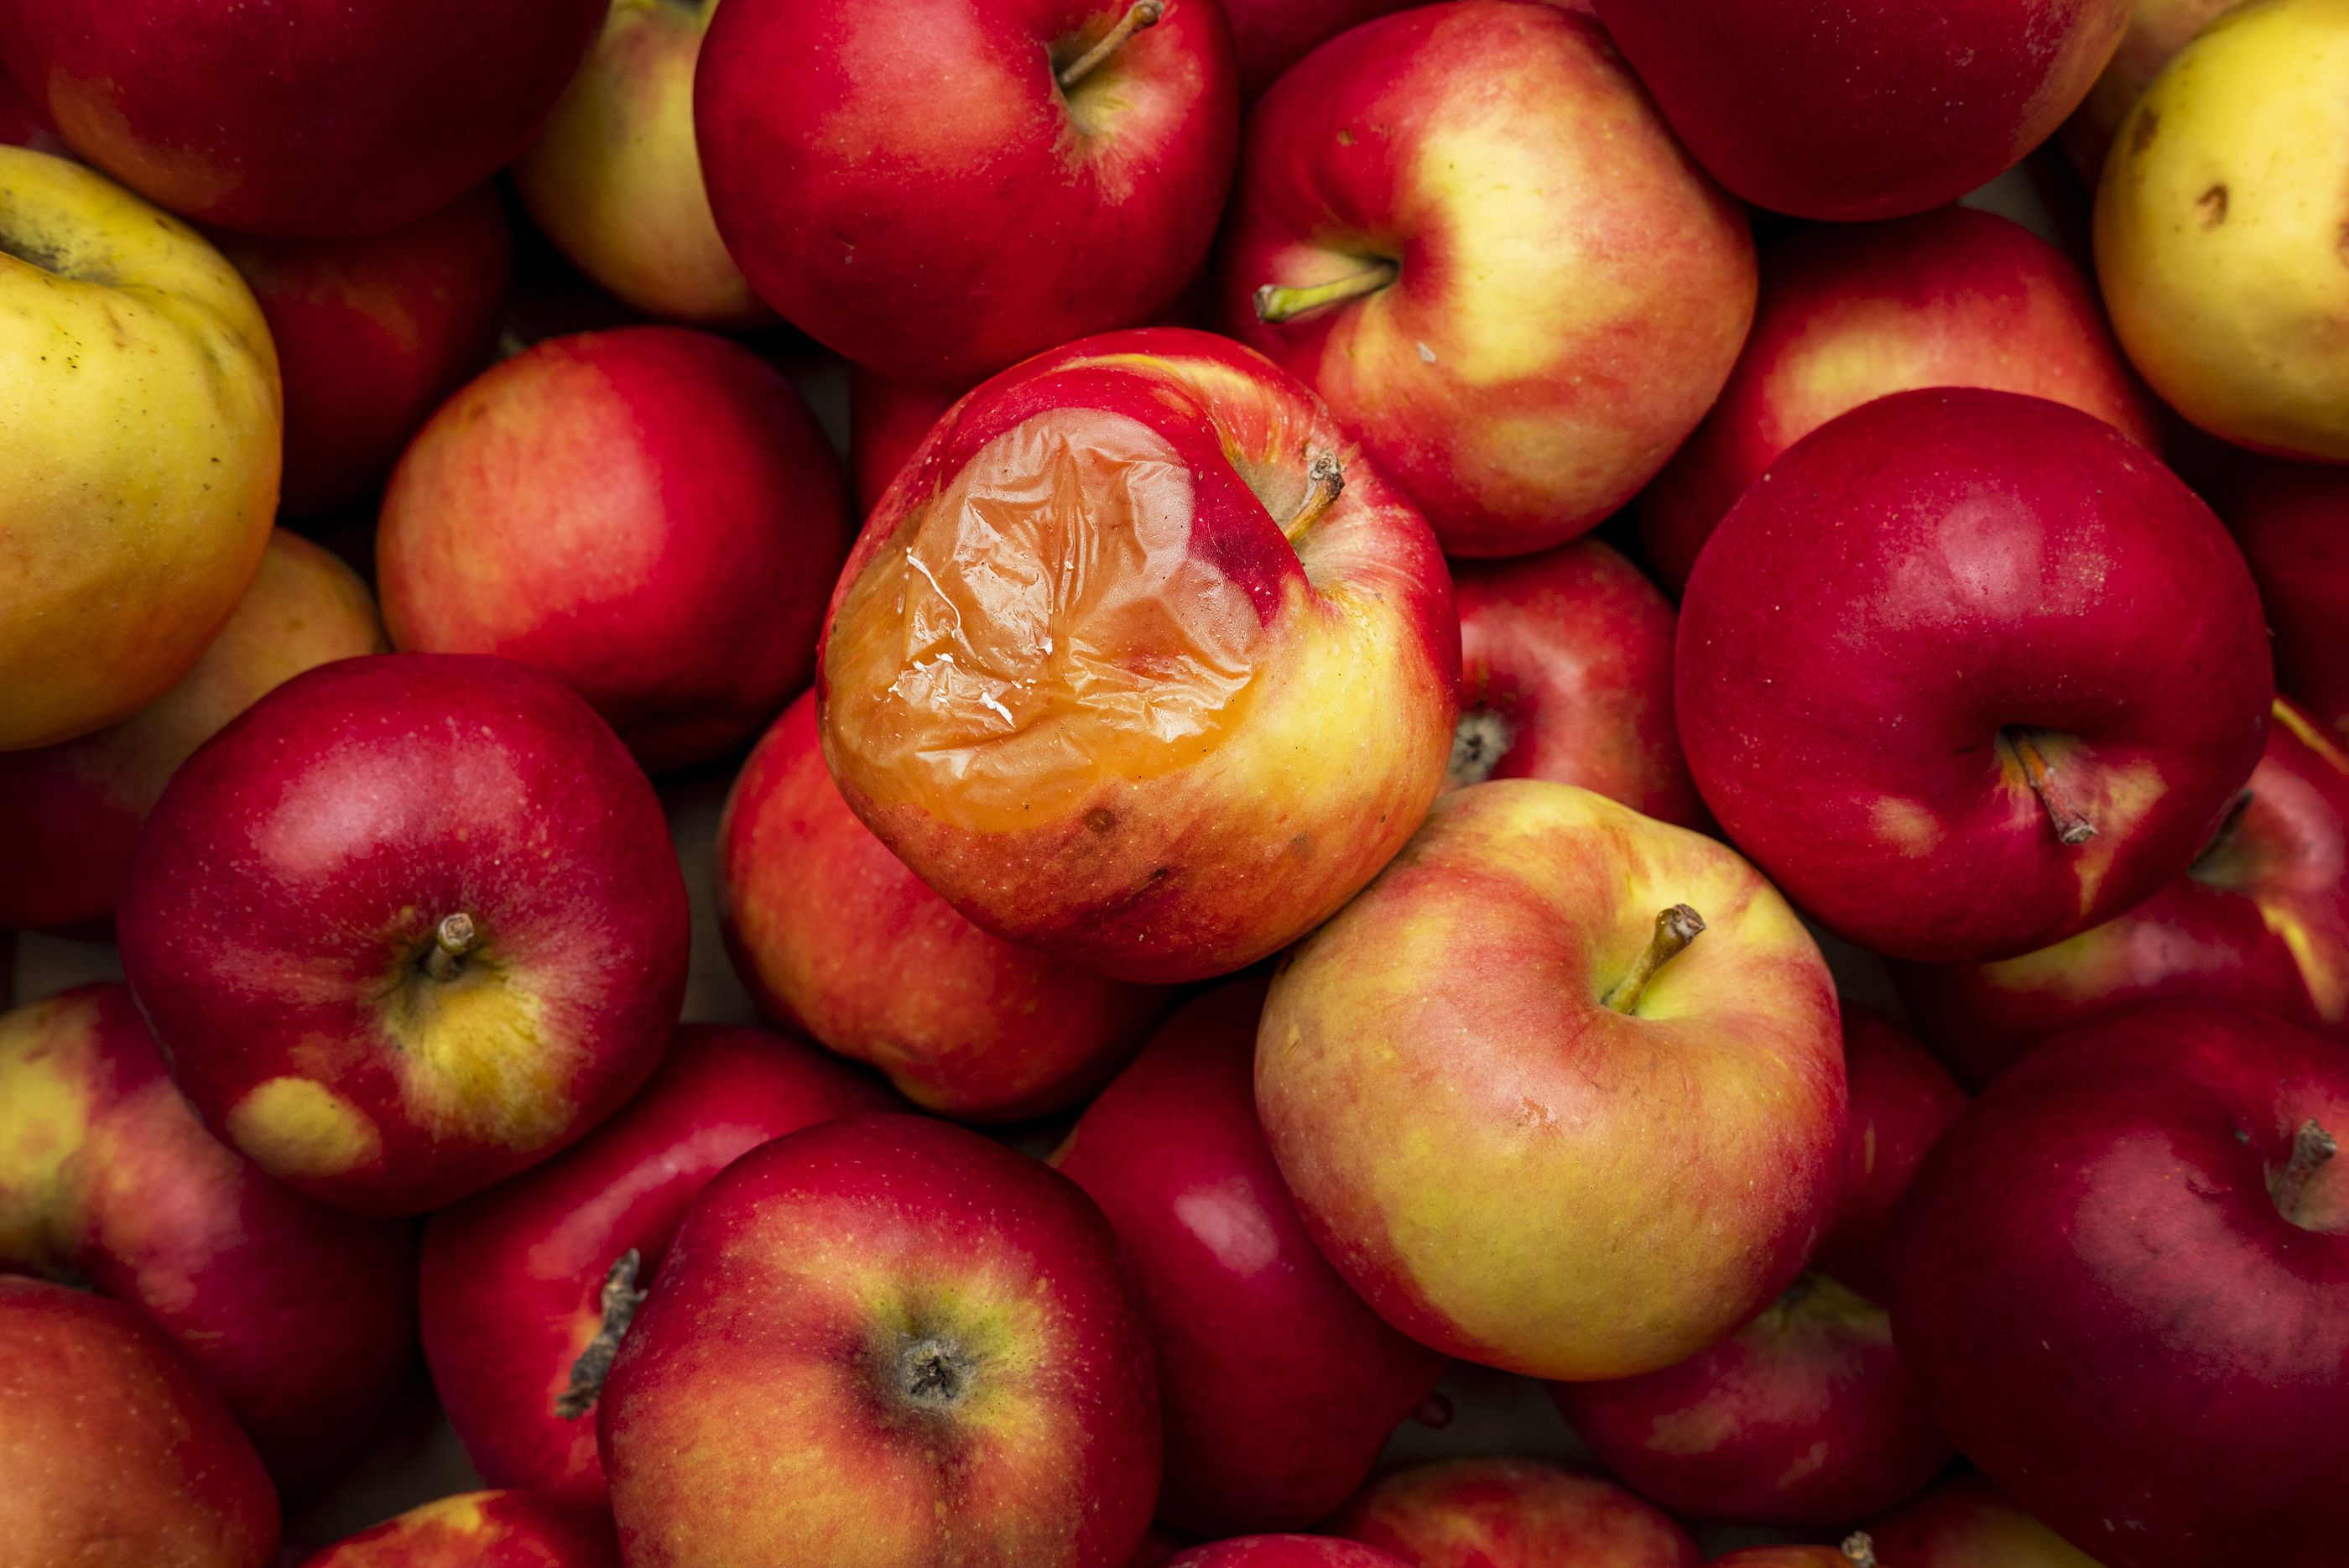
{"points": [[1257, 897]]}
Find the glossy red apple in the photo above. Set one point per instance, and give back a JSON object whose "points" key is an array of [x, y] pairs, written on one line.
{"points": [[1270, 36], [407, 927], [2292, 521], [1285, 1552], [1517, 359], [2139, 1232], [1965, 1523], [935, 190], [886, 423], [1967, 672], [1511, 1513], [885, 1341], [481, 1530], [1902, 1100]]}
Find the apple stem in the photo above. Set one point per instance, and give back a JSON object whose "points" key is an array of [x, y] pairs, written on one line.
{"points": [[2312, 1149], [2072, 826], [1140, 14], [1675, 929], [1859, 1550], [619, 1303], [1325, 481], [451, 941], [1276, 303]]}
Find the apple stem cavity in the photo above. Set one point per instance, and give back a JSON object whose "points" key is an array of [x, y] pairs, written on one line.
{"points": [[933, 1373], [1859, 1550], [2312, 1148], [1675, 929], [1276, 303], [1482, 740], [451, 941], [619, 1304], [1140, 14], [2072, 824], [1325, 481]]}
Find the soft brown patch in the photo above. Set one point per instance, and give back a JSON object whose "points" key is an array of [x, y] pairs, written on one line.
{"points": [[1101, 819], [2212, 207], [2142, 137]]}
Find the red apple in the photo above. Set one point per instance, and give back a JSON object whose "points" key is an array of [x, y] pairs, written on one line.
{"points": [[1850, 108], [481, 1530], [1566, 674], [1285, 1552], [831, 933], [1279, 1386], [304, 608], [23, 123], [1903, 1101], [2292, 521], [117, 1455], [1270, 36], [1511, 1513], [372, 333], [1857, 1552], [407, 927], [885, 1341], [886, 423], [1157, 1549], [1967, 672], [2124, 1287], [1140, 663], [935, 190], [1965, 1523], [529, 1287], [1949, 298], [1466, 226]]}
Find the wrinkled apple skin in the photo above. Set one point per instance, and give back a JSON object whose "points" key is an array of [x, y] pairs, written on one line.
{"points": [[481, 1530], [1965, 1523], [1511, 1513]]}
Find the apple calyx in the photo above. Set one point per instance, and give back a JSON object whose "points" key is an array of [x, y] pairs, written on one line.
{"points": [[2212, 868], [619, 1302], [1675, 929], [2072, 824], [1859, 1550], [933, 1375], [1481, 739], [452, 939], [1276, 303], [1325, 481], [2312, 1149], [1140, 14]]}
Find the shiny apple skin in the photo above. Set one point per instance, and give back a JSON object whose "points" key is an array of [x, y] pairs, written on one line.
{"points": [[2092, 1263], [1285, 1552], [1902, 586], [289, 884], [1566, 663], [1902, 1100], [118, 1454], [1270, 36], [1572, 290], [831, 933], [2292, 521], [1511, 1513], [802, 1268], [1952, 297], [512, 1278], [887, 421], [1279, 1385], [481, 1530], [1965, 1523]]}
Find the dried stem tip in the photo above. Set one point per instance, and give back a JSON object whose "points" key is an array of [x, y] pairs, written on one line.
{"points": [[451, 941], [1675, 929], [2070, 824], [1325, 481], [620, 1300], [2311, 1151]]}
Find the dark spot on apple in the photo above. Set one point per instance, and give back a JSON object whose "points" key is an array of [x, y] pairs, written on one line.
{"points": [[2147, 124], [1482, 740], [1301, 845], [934, 1373], [1101, 819], [2212, 208], [1345, 139]]}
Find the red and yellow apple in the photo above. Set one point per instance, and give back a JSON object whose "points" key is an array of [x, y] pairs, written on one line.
{"points": [[2157, 30], [1965, 1523], [1511, 1513], [481, 1530]]}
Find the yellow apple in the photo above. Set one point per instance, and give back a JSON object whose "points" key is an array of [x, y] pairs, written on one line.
{"points": [[2158, 29]]}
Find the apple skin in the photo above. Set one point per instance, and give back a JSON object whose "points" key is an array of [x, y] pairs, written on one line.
{"points": [[2158, 29], [886, 423], [947, 1351], [1952, 297], [1279, 1385], [513, 1277], [1797, 1556], [1566, 674], [480, 1529], [1536, 357], [1511, 1513], [2092, 1261], [1285, 1552], [1270, 36], [372, 333], [1964, 1523], [118, 1454], [652, 515], [1902, 592], [279, 928], [1157, 1549], [1222, 732], [831, 934], [298, 117], [1014, 217], [1847, 109], [2291, 520], [1902, 1100], [1469, 1131]]}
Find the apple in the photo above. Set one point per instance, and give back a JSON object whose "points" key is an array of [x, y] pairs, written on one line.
{"points": [[1285, 1552], [480, 1529], [23, 124], [886, 423], [1902, 1100], [1966, 672], [1857, 1551], [652, 515], [2158, 29], [1472, 1077], [2292, 521], [1511, 1513], [2140, 1231], [1468, 229], [1566, 674], [298, 117], [142, 452], [885, 1340], [372, 333], [408, 926], [936, 191], [2259, 921], [1140, 663], [831, 933], [1270, 36], [1279, 1385], [118, 1454], [1964, 1523], [1848, 108], [529, 1287], [1952, 297]]}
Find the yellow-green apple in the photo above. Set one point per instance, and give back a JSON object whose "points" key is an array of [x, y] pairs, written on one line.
{"points": [[1562, 1091], [1285, 1552], [1967, 672], [887, 421], [298, 117], [1566, 674], [1467, 228], [1279, 1385], [529, 1288], [481, 1530], [118, 1454], [831, 933], [1948, 299], [615, 179], [1857, 1551], [300, 1315], [2291, 520], [1140, 661], [408, 926], [1965, 1523], [651, 516], [2141, 1231], [89, 795], [1848, 108], [937, 190], [1511, 1513], [372, 333], [886, 1342], [142, 450], [2157, 30]]}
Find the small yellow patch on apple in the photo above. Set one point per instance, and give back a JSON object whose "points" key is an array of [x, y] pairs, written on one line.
{"points": [[298, 1127]]}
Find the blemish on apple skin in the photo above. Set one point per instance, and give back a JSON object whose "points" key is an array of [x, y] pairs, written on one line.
{"points": [[1427, 354]]}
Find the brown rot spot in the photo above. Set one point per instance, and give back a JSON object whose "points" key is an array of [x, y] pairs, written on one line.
{"points": [[2212, 207], [1101, 819], [1301, 846], [2147, 124]]}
